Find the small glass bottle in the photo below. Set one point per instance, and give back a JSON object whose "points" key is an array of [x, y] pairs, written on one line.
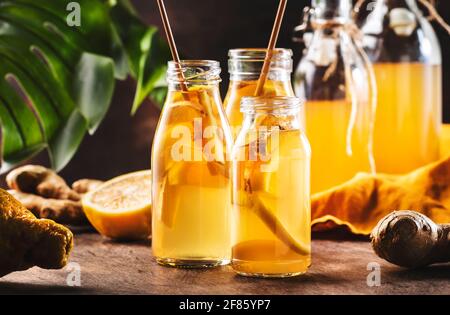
{"points": [[336, 80], [407, 62], [271, 232], [190, 174], [245, 67]]}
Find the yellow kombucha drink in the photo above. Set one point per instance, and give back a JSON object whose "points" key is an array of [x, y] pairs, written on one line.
{"points": [[406, 56], [408, 118], [339, 143], [191, 182], [271, 194]]}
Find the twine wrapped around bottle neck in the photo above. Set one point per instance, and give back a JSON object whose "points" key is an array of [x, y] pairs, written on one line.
{"points": [[348, 26], [428, 4]]}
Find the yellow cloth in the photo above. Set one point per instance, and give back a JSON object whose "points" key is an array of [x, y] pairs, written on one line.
{"points": [[361, 202]]}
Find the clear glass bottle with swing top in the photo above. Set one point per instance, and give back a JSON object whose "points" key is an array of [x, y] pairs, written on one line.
{"points": [[271, 232], [406, 55], [190, 173], [336, 80], [245, 67]]}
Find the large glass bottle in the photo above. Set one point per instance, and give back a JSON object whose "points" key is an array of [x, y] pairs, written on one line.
{"points": [[407, 62], [335, 79], [245, 67], [190, 175], [271, 190]]}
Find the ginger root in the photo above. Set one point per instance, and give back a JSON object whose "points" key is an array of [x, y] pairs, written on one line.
{"points": [[86, 185], [48, 196], [62, 211], [26, 241], [364, 200], [40, 181], [410, 239]]}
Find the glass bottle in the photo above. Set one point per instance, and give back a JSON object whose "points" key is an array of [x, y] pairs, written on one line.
{"points": [[190, 173], [407, 62], [245, 67], [336, 80], [271, 194]]}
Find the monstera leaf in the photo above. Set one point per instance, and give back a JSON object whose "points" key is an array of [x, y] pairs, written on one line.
{"points": [[59, 61]]}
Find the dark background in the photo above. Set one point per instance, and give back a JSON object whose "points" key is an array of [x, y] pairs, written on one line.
{"points": [[203, 29]]}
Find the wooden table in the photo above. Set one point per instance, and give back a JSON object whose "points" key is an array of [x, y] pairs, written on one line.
{"points": [[339, 267]]}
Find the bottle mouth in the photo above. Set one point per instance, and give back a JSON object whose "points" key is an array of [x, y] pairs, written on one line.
{"points": [[270, 104], [249, 61], [259, 54], [194, 71]]}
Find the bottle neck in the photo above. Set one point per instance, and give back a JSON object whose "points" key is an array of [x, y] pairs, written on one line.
{"points": [[193, 73], [330, 12], [246, 64], [280, 76], [397, 31], [279, 111], [180, 87]]}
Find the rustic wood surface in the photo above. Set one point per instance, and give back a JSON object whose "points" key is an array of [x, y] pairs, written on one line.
{"points": [[339, 267]]}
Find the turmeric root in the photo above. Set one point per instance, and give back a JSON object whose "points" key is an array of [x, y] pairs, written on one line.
{"points": [[26, 241], [364, 200], [62, 211], [40, 181], [410, 239], [86, 185]]}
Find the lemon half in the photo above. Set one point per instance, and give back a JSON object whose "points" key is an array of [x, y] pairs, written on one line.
{"points": [[121, 207]]}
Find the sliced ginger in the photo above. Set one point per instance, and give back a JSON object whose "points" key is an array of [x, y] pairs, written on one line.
{"points": [[260, 205], [262, 209], [361, 202]]}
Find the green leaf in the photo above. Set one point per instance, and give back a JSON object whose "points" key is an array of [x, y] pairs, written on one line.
{"points": [[63, 147], [95, 33], [158, 95], [147, 52], [94, 87], [57, 80], [152, 69]]}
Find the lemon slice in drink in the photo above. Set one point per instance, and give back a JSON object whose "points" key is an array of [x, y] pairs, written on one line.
{"points": [[121, 208]]}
